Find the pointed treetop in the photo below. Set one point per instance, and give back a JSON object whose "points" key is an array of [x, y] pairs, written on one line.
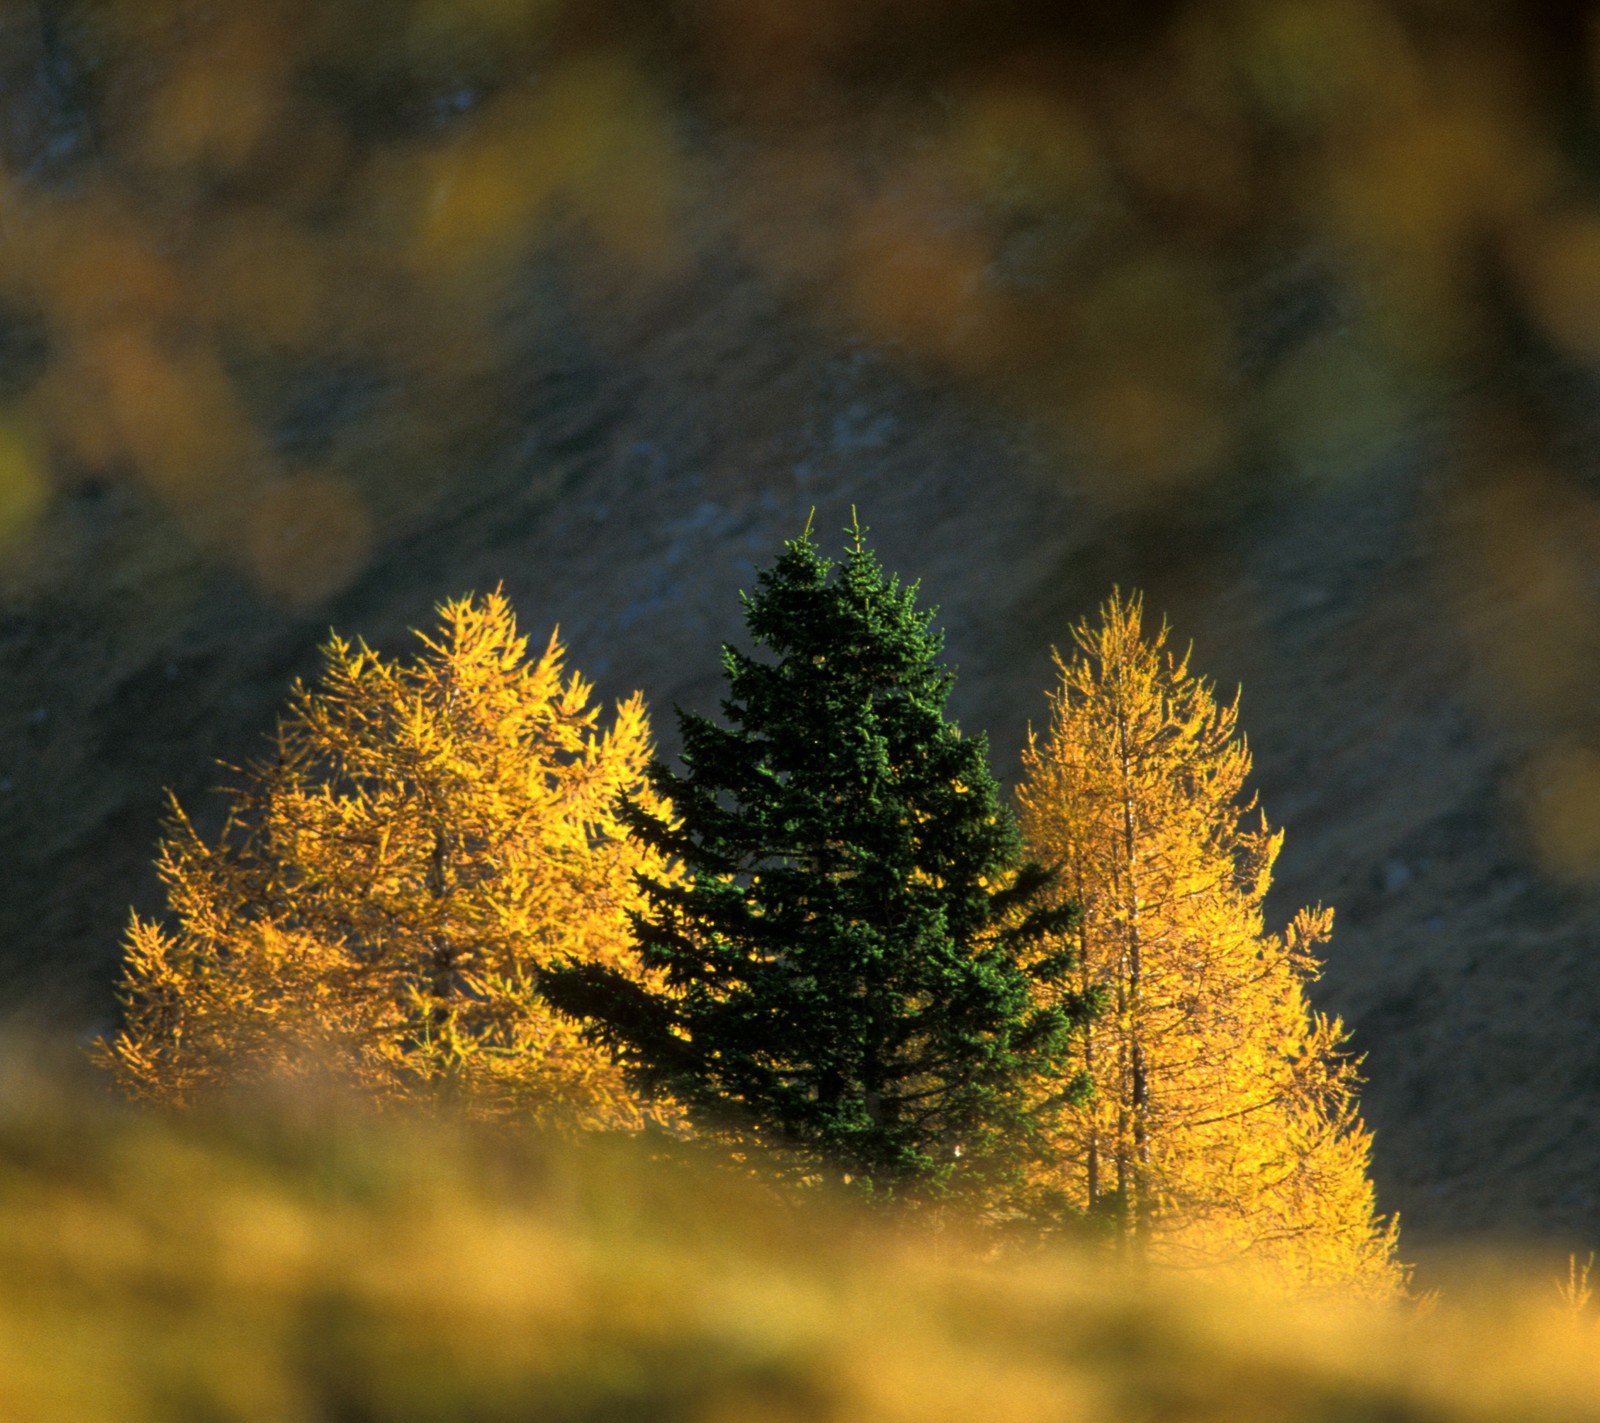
{"points": [[848, 960]]}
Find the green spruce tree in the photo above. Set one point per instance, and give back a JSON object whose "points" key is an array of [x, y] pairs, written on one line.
{"points": [[850, 962]]}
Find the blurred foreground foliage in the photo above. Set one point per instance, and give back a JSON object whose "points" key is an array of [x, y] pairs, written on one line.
{"points": [[290, 1257], [268, 265]]}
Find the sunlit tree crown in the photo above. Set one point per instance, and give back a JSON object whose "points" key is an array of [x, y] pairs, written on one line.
{"points": [[426, 835], [1222, 1129]]}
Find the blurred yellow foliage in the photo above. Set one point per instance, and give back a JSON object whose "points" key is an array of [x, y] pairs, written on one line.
{"points": [[916, 277], [292, 1260], [1523, 545], [177, 414], [1024, 146], [483, 191], [1317, 65], [1556, 265], [24, 483], [465, 28], [309, 537], [1561, 790], [1419, 200], [96, 268], [219, 100], [1151, 402], [593, 135], [273, 191], [1222, 1129], [619, 140], [387, 885], [268, 281], [1144, 437], [1062, 220], [776, 52]]}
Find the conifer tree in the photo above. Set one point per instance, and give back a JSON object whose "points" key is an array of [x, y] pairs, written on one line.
{"points": [[390, 881], [1222, 1125], [848, 961]]}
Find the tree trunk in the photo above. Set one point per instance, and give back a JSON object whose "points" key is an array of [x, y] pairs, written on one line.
{"points": [[1138, 1076], [1093, 1161]]}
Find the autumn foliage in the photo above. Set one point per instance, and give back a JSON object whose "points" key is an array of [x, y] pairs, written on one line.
{"points": [[424, 836], [440, 854], [285, 1265], [1222, 1129]]}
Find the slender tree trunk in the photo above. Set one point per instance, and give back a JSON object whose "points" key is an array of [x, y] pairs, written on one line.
{"points": [[442, 957], [1093, 1161], [1138, 1075], [1124, 1152]]}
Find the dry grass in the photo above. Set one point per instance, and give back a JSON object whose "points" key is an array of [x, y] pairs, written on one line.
{"points": [[294, 1260]]}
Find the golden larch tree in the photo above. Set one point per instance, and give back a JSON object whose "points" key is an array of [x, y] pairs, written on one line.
{"points": [[388, 883], [1222, 1126]]}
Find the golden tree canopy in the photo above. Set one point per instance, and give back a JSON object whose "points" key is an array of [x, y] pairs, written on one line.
{"points": [[1222, 1130], [388, 883]]}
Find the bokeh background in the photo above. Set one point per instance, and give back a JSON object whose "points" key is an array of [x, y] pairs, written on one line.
{"points": [[1286, 311]]}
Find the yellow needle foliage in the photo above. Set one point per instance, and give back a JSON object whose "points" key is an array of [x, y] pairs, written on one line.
{"points": [[1222, 1129], [389, 882]]}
